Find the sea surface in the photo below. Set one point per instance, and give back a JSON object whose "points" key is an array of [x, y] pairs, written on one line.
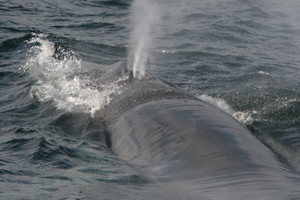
{"points": [[242, 56]]}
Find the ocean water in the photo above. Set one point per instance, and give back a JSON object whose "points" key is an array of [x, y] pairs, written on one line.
{"points": [[242, 56]]}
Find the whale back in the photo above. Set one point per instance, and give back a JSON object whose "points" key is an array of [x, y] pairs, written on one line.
{"points": [[188, 136], [131, 92], [188, 144]]}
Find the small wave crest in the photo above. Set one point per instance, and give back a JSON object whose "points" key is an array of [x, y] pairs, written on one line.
{"points": [[245, 118], [59, 77]]}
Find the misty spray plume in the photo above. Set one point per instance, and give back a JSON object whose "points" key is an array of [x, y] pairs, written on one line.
{"points": [[144, 14]]}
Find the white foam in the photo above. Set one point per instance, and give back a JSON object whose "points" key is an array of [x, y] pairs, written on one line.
{"points": [[262, 73], [220, 103], [56, 79], [245, 118]]}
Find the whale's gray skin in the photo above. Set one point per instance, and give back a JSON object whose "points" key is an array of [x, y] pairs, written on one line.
{"points": [[188, 143]]}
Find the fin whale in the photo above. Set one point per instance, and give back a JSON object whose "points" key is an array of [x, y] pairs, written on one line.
{"points": [[173, 135]]}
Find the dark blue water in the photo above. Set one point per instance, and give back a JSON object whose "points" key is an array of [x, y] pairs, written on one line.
{"points": [[242, 56]]}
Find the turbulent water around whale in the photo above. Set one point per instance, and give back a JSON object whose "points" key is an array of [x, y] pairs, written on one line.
{"points": [[240, 56]]}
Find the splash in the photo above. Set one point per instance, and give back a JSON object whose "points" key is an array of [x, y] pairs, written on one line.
{"points": [[220, 103], [245, 118], [144, 16], [59, 80]]}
